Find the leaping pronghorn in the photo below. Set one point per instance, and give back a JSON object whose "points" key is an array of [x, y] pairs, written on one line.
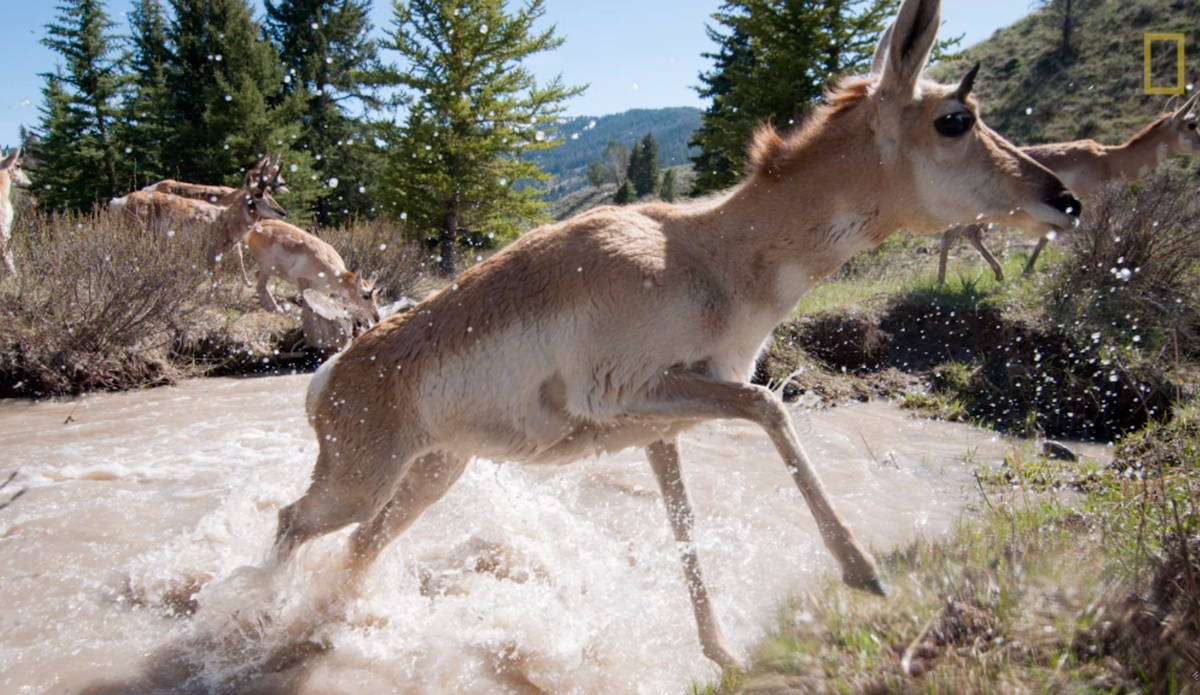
{"points": [[627, 326], [10, 173], [1086, 166]]}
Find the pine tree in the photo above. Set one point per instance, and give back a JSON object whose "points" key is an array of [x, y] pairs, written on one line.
{"points": [[776, 59], [667, 191], [144, 127], [474, 110], [332, 68], [222, 115], [80, 161], [645, 173], [625, 194]]}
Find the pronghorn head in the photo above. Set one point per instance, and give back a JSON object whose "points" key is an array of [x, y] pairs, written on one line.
{"points": [[1182, 123], [257, 186], [938, 164], [11, 165], [368, 298]]}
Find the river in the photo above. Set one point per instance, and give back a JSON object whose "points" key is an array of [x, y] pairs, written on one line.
{"points": [[131, 563]]}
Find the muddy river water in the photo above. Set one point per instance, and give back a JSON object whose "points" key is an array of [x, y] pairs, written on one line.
{"points": [[131, 563]]}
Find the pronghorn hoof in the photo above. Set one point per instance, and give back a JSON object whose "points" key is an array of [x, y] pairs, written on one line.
{"points": [[871, 584]]}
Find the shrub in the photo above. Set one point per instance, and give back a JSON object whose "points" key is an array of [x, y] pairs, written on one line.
{"points": [[379, 246], [98, 302], [1133, 274]]}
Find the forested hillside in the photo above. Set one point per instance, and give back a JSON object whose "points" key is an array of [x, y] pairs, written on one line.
{"points": [[1034, 91], [584, 139]]}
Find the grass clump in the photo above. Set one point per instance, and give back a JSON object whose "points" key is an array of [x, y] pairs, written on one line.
{"points": [[1073, 578]]}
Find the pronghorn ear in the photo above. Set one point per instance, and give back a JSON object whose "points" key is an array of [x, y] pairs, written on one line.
{"points": [[913, 34], [1171, 104], [372, 279], [1186, 109], [879, 62], [10, 159]]}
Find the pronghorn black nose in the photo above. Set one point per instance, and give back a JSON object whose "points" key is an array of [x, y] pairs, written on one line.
{"points": [[1064, 201]]}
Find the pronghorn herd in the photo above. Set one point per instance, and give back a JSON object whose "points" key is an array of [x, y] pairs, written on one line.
{"points": [[628, 326]]}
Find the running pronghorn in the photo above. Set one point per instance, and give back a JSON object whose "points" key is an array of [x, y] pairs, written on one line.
{"points": [[1086, 167], [286, 251], [10, 173], [171, 202], [626, 326]]}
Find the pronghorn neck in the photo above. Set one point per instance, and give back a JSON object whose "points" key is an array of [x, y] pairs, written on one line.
{"points": [[1144, 151], [778, 236], [5, 183]]}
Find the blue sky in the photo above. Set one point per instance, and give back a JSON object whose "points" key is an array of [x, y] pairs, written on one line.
{"points": [[634, 53]]}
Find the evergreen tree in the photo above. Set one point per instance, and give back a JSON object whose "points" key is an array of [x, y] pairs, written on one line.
{"points": [[221, 118], [475, 109], [144, 128], [625, 194], [776, 59], [332, 67], [644, 173], [80, 161], [667, 191]]}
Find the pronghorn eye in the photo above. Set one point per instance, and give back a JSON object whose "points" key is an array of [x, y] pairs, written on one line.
{"points": [[954, 125], [1192, 125]]}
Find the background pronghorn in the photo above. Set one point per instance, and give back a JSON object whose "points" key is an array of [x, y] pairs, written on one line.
{"points": [[307, 262], [1086, 166], [157, 206], [10, 173], [627, 326]]}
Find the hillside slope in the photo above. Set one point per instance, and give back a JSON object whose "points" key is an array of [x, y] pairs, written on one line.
{"points": [[1031, 94], [584, 139]]}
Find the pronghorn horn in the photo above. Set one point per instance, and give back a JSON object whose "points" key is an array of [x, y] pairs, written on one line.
{"points": [[968, 83], [881, 50]]}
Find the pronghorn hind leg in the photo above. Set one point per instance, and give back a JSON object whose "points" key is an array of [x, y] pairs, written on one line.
{"points": [[664, 459], [974, 235], [1037, 250], [427, 480], [350, 484], [693, 396]]}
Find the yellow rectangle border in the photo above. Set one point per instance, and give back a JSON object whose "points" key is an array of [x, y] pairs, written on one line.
{"points": [[1179, 87]]}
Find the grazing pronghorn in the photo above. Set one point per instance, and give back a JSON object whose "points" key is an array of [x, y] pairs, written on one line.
{"points": [[217, 195], [286, 251], [626, 326], [1086, 166], [10, 173], [164, 204]]}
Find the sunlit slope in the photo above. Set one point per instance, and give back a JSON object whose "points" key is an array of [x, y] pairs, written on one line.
{"points": [[1032, 93]]}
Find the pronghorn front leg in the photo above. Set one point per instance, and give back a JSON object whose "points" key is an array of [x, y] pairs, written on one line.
{"points": [[242, 264], [664, 459], [974, 235], [695, 397]]}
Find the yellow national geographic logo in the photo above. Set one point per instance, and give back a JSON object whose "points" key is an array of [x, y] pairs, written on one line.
{"points": [[1178, 87]]}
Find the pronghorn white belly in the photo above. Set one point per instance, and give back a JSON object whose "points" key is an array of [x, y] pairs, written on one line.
{"points": [[555, 394]]}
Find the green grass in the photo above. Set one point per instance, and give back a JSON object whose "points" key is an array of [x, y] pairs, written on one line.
{"points": [[1013, 600]]}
